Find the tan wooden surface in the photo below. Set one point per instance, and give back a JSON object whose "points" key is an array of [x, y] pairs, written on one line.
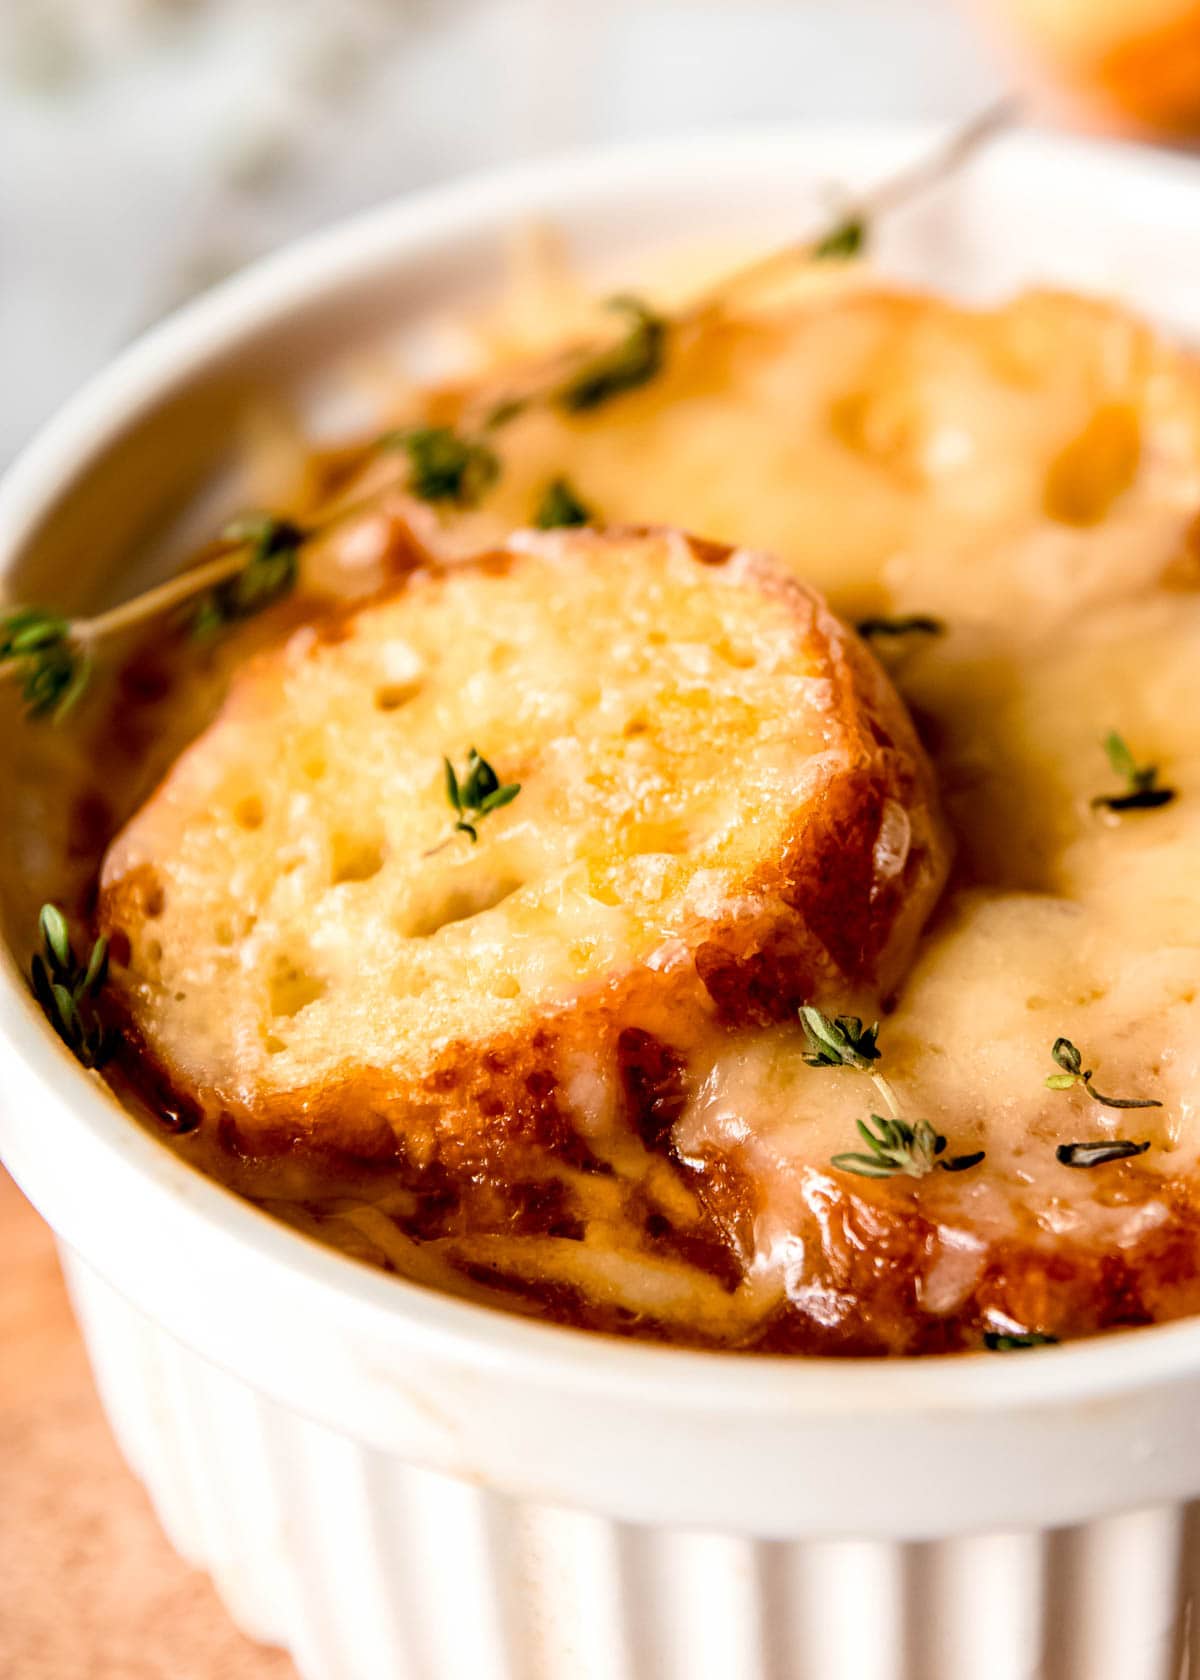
{"points": [[89, 1589]]}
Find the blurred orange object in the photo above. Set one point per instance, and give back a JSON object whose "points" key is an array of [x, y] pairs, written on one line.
{"points": [[1132, 64]]}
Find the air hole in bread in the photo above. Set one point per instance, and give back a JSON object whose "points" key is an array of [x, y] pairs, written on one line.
{"points": [[356, 857], [658, 837], [505, 986], [741, 658], [389, 697], [227, 935], [155, 901], [292, 986], [248, 813], [458, 901], [315, 767]]}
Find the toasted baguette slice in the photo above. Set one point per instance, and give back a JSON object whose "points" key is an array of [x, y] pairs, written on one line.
{"points": [[722, 811]]}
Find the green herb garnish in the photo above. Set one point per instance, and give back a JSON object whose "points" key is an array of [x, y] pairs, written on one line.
{"points": [[999, 1341], [915, 624], [896, 1146], [270, 572], [632, 362], [506, 410], [1144, 793], [846, 238], [1074, 1073], [559, 505], [838, 1041], [51, 656], [67, 989], [43, 653], [1100, 1152], [477, 794], [444, 466]]}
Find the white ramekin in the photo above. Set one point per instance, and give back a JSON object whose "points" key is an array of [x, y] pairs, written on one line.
{"points": [[399, 1486]]}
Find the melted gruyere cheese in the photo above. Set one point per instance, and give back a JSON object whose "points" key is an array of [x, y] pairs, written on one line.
{"points": [[1030, 476], [897, 452]]}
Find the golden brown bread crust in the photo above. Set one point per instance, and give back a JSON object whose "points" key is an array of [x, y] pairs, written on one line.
{"points": [[872, 1244], [832, 910]]}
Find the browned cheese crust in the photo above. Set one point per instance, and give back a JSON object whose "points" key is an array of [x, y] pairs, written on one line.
{"points": [[602, 1113]]}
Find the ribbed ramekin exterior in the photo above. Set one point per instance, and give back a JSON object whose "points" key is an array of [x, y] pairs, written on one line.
{"points": [[368, 1568]]}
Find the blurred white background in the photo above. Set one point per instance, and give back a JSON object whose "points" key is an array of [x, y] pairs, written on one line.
{"points": [[151, 146]]}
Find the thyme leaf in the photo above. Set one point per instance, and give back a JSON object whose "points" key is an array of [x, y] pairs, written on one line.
{"points": [[895, 1146], [270, 572], [559, 506], [913, 624], [846, 238], [67, 989], [476, 794], [46, 658], [505, 411], [445, 466], [1144, 792], [1074, 1073], [1001, 1341], [634, 361], [838, 1041], [1098, 1153]]}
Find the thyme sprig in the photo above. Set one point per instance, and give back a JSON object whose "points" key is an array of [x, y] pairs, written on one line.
{"points": [[634, 360], [560, 506], [1143, 792], [844, 240], [1073, 1072], [895, 1146], [839, 1040], [52, 657], [637, 357], [476, 794], [850, 232], [43, 652], [899, 1147], [67, 989], [843, 1041], [445, 465], [270, 571]]}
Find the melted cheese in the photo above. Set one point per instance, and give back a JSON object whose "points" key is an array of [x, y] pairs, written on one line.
{"points": [[1031, 476]]}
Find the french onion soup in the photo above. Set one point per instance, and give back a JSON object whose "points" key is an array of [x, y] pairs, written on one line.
{"points": [[694, 838]]}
